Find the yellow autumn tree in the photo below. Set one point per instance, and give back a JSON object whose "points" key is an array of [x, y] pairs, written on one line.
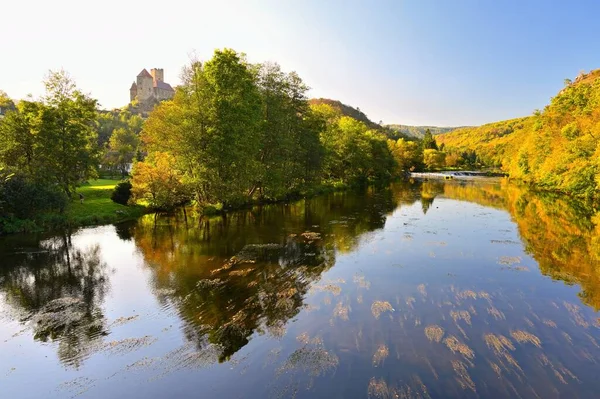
{"points": [[157, 182]]}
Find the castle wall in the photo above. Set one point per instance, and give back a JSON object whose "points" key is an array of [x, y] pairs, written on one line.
{"points": [[132, 94], [144, 88], [158, 74], [162, 94]]}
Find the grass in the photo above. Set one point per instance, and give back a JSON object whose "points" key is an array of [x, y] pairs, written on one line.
{"points": [[97, 207]]}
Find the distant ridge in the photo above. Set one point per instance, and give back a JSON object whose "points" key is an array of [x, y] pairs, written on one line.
{"points": [[347, 110], [419, 131], [393, 131]]}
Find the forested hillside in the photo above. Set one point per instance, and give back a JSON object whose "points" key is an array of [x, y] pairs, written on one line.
{"points": [[346, 110], [556, 148], [418, 132]]}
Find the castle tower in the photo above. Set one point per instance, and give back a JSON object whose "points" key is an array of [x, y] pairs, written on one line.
{"points": [[132, 92], [158, 74], [144, 85]]}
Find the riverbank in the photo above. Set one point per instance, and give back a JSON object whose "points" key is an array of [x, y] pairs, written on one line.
{"points": [[97, 209], [321, 189], [456, 174]]}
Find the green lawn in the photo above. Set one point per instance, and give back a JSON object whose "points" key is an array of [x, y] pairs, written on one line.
{"points": [[97, 207]]}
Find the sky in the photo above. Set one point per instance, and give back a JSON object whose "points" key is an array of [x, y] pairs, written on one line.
{"points": [[412, 62]]}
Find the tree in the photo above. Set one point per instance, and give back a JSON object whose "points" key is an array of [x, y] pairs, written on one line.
{"points": [[453, 159], [122, 149], [429, 141], [407, 155], [212, 127], [53, 140], [108, 122], [6, 104], [65, 135], [157, 182], [290, 149], [434, 159], [18, 139]]}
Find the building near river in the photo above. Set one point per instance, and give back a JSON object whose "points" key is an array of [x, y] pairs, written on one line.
{"points": [[150, 87]]}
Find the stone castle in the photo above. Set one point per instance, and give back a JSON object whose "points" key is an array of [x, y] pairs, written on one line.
{"points": [[150, 87]]}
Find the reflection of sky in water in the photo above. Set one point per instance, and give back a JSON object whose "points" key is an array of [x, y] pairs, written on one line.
{"points": [[442, 304]]}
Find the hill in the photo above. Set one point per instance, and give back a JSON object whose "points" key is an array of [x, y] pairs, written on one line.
{"points": [[419, 131], [347, 110], [557, 148], [356, 113]]}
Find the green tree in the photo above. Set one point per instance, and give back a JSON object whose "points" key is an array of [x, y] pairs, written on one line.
{"points": [[65, 134], [108, 122], [52, 140], [6, 104], [18, 139], [290, 147], [212, 127], [428, 141], [122, 149]]}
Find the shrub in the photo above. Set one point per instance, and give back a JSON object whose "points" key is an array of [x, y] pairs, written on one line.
{"points": [[122, 193], [25, 199]]}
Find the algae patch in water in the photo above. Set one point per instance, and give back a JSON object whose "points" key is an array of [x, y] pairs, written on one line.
{"points": [[362, 282], [467, 294], [380, 355], [523, 337], [124, 320], [509, 260], [314, 360], [341, 311], [497, 314], [461, 315], [462, 375], [379, 307], [458, 347], [127, 345], [434, 333]]}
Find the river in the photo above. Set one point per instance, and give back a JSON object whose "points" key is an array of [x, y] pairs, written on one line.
{"points": [[441, 289]]}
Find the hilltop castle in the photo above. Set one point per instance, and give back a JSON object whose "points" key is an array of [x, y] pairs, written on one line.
{"points": [[151, 87]]}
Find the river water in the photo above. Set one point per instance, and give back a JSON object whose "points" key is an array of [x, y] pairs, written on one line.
{"points": [[435, 289]]}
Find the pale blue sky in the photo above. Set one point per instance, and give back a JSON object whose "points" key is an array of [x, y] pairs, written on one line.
{"points": [[444, 62]]}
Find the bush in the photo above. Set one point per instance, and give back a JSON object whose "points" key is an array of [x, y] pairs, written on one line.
{"points": [[25, 199], [122, 193]]}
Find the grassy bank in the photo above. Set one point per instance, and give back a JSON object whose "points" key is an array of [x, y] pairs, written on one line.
{"points": [[97, 208]]}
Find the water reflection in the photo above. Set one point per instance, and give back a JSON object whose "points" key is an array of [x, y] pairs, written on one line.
{"points": [[248, 272], [417, 290], [561, 233], [58, 290]]}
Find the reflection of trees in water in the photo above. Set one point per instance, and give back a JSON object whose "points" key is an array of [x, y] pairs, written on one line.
{"points": [[58, 288], [429, 190], [561, 233], [249, 271]]}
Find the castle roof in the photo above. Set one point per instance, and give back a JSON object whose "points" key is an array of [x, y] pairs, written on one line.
{"points": [[144, 73], [133, 86], [162, 85]]}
